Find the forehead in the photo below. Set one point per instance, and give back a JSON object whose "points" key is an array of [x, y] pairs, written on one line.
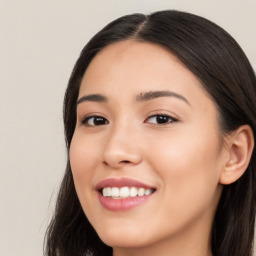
{"points": [[134, 67]]}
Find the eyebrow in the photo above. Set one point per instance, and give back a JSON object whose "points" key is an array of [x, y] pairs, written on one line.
{"points": [[92, 97], [142, 97], [145, 96]]}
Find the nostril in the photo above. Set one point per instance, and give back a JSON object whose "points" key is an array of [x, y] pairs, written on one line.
{"points": [[125, 162], [105, 163], [117, 164]]}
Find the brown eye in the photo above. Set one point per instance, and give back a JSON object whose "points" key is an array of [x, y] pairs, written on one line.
{"points": [[95, 121], [161, 119]]}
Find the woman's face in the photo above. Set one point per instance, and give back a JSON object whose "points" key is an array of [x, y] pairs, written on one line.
{"points": [[147, 137]]}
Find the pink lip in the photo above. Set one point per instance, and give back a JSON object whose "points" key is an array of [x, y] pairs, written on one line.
{"points": [[125, 203]]}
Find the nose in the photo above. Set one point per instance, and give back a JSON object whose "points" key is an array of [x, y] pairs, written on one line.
{"points": [[122, 149]]}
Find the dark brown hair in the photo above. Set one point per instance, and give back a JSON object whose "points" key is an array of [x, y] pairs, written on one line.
{"points": [[215, 58]]}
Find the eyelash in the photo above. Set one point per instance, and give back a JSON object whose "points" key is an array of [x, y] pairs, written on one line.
{"points": [[86, 120], [103, 121], [162, 117]]}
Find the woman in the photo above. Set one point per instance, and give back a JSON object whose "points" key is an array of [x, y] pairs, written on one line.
{"points": [[160, 119]]}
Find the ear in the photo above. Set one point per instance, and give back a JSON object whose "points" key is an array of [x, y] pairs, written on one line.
{"points": [[239, 150]]}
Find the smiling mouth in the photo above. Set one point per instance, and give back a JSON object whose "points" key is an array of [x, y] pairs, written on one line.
{"points": [[125, 192]]}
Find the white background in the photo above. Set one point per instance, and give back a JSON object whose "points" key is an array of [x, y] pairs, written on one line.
{"points": [[39, 43]]}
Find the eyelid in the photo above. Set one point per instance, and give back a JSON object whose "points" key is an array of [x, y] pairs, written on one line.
{"points": [[86, 117], [163, 114]]}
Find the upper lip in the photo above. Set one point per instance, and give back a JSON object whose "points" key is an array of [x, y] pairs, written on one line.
{"points": [[121, 182]]}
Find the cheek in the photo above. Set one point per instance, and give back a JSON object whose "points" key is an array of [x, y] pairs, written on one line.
{"points": [[189, 167], [83, 161], [83, 156]]}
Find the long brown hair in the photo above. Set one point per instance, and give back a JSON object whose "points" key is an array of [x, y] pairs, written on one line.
{"points": [[214, 57]]}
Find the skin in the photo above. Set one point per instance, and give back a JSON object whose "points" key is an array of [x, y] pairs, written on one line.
{"points": [[182, 158]]}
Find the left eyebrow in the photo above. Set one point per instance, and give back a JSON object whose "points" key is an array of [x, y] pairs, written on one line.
{"points": [[92, 97], [145, 96]]}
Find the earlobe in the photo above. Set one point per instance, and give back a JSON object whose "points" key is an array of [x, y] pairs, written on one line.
{"points": [[240, 147]]}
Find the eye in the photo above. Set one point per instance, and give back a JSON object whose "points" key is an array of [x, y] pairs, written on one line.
{"points": [[94, 121], [161, 119]]}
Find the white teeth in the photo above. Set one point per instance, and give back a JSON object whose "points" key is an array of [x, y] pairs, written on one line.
{"points": [[141, 191], [104, 192], [125, 192], [115, 192], [133, 192], [109, 191], [148, 191]]}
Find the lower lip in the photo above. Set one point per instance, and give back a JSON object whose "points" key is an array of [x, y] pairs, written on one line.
{"points": [[124, 204]]}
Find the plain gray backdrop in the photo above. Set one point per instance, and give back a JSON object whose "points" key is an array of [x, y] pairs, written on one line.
{"points": [[40, 42]]}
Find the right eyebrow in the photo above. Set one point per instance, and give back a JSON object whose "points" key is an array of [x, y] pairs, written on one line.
{"points": [[92, 97]]}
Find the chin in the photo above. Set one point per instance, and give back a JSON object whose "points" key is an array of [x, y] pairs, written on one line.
{"points": [[114, 238]]}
